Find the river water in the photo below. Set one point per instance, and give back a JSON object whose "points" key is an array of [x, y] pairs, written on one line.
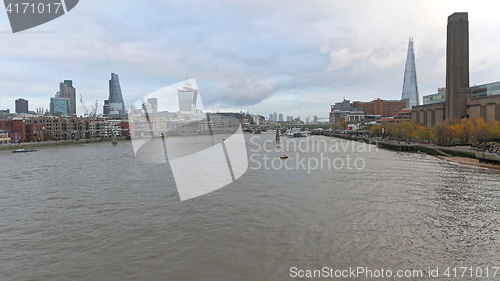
{"points": [[95, 212]]}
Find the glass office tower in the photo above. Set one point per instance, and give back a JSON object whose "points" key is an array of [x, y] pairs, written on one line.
{"points": [[188, 97], [410, 89], [114, 106], [60, 106]]}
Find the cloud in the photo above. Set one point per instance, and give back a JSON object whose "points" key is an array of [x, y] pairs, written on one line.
{"points": [[344, 57], [244, 54]]}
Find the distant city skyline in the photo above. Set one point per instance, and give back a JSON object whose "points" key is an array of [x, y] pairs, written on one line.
{"points": [[280, 117], [298, 58]]}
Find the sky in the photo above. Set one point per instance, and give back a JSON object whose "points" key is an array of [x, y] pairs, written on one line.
{"points": [[290, 57]]}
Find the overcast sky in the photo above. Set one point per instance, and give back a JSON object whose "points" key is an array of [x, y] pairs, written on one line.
{"points": [[292, 57]]}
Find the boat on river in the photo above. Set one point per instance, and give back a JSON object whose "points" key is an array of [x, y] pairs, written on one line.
{"points": [[297, 135], [20, 150], [488, 157]]}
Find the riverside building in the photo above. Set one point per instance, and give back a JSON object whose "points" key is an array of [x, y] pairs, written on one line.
{"points": [[461, 101]]}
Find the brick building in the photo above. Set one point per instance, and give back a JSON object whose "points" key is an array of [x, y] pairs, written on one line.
{"points": [[384, 108], [22, 130], [33, 129]]}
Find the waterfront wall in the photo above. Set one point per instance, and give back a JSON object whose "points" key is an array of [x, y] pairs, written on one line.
{"points": [[415, 147], [13, 146]]}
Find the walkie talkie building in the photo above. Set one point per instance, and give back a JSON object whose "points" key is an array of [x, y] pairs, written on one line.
{"points": [[188, 97]]}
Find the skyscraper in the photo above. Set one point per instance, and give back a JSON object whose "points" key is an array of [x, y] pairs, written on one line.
{"points": [[68, 91], [410, 89], [154, 104], [60, 106], [21, 106], [281, 117], [105, 108], [114, 105], [457, 66], [188, 98]]}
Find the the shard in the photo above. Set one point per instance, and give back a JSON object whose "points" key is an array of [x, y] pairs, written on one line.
{"points": [[410, 88]]}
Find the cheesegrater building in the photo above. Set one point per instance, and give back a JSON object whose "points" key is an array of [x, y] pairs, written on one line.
{"points": [[114, 106]]}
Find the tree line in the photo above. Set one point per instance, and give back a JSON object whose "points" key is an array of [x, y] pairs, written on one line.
{"points": [[474, 130]]}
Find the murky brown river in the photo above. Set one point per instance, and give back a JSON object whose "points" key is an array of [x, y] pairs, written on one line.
{"points": [[95, 212]]}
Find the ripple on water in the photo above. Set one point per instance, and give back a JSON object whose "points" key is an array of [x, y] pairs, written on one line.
{"points": [[95, 212]]}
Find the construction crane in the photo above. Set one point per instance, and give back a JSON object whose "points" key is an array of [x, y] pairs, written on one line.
{"points": [[84, 108], [93, 111]]}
